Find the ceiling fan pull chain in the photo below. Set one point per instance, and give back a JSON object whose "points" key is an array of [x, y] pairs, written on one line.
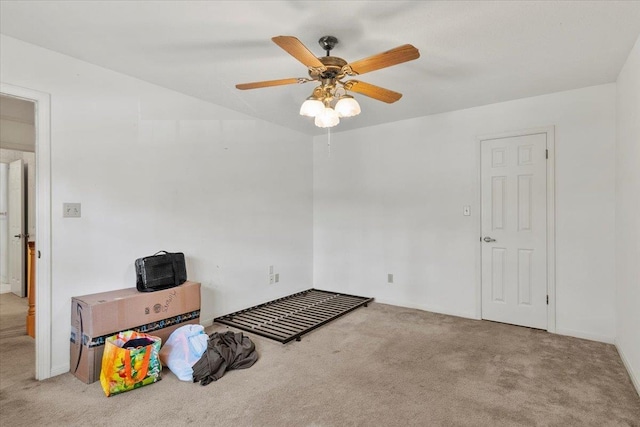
{"points": [[329, 141]]}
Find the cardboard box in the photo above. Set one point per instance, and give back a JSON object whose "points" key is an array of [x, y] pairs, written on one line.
{"points": [[98, 316]]}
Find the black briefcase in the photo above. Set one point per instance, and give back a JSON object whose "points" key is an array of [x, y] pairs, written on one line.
{"points": [[162, 270]]}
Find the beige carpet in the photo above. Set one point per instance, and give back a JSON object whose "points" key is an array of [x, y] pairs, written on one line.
{"points": [[377, 366], [13, 315]]}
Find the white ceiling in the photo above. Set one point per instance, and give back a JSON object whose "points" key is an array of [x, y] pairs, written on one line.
{"points": [[472, 53]]}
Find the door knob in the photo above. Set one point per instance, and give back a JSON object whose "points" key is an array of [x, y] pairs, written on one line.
{"points": [[18, 236], [489, 239]]}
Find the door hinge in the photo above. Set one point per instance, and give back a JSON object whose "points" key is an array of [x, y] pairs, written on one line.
{"points": [[547, 299], [546, 154]]}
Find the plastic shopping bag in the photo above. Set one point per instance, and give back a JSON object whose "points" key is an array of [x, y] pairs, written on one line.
{"points": [[183, 349]]}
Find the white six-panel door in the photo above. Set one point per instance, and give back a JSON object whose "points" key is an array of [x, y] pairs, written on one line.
{"points": [[514, 230]]}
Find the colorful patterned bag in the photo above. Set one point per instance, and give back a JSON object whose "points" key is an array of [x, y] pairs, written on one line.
{"points": [[130, 360]]}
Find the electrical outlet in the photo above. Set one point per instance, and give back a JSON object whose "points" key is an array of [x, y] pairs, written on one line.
{"points": [[277, 277], [71, 210], [272, 277], [389, 278]]}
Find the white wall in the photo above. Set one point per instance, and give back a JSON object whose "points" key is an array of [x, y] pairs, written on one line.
{"points": [[389, 199], [627, 216], [154, 170]]}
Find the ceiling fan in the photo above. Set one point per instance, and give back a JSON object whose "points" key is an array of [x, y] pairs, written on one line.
{"points": [[329, 100]]}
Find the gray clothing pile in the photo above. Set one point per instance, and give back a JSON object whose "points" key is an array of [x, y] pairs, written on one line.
{"points": [[224, 352]]}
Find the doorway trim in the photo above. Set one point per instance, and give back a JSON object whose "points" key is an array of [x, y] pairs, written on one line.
{"points": [[551, 219], [42, 103]]}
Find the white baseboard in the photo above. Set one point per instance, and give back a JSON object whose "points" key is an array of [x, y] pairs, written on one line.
{"points": [[585, 335], [59, 370], [472, 315], [206, 322], [5, 288], [635, 376], [433, 309]]}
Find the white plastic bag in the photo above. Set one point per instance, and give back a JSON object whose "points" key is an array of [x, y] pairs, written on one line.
{"points": [[183, 349]]}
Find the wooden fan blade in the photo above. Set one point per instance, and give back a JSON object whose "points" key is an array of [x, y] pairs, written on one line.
{"points": [[373, 91], [391, 57], [268, 83], [295, 48]]}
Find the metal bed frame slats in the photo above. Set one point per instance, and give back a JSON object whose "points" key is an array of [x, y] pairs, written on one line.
{"points": [[286, 319]]}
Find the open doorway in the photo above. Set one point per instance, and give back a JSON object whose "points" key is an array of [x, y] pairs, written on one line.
{"points": [[40, 229], [17, 216]]}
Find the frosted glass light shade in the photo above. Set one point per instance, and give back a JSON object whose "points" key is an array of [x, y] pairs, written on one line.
{"points": [[347, 106], [311, 107], [327, 118]]}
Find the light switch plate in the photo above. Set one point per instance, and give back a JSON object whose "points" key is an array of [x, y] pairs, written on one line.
{"points": [[71, 210], [466, 211]]}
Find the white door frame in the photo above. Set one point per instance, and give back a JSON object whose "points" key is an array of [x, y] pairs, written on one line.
{"points": [[43, 222], [551, 223]]}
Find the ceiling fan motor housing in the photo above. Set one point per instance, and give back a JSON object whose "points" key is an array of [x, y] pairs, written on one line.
{"points": [[333, 64], [333, 70]]}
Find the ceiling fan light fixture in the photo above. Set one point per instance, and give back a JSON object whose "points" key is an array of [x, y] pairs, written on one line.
{"points": [[327, 118], [347, 106], [311, 107]]}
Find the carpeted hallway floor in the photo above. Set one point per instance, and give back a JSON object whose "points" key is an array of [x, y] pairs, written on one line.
{"points": [[377, 366], [13, 315]]}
